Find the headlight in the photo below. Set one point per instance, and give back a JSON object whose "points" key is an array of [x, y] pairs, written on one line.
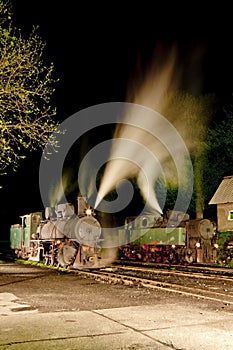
{"points": [[198, 245], [88, 211]]}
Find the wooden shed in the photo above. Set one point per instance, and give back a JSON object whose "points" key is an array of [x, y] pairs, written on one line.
{"points": [[223, 198]]}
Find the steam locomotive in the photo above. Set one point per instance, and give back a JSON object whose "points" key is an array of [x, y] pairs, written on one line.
{"points": [[172, 238], [63, 238]]}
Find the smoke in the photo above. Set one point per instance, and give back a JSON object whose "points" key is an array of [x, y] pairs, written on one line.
{"points": [[62, 187], [153, 138], [146, 130], [171, 121]]}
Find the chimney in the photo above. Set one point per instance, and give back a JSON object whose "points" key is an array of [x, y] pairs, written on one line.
{"points": [[82, 205], [199, 214]]}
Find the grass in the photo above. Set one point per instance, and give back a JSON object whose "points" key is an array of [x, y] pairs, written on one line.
{"points": [[40, 264]]}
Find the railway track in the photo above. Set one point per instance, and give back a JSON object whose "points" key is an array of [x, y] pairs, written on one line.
{"points": [[198, 268], [202, 282], [192, 282]]}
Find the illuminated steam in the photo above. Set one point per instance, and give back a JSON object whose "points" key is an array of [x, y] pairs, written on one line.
{"points": [[61, 188], [153, 137], [160, 95], [153, 94]]}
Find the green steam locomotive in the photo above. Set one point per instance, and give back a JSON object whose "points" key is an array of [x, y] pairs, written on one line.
{"points": [[170, 239]]}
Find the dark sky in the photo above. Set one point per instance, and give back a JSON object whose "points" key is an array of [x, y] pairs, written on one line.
{"points": [[95, 47]]}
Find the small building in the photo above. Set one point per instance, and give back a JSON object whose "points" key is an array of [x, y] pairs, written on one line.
{"points": [[223, 198]]}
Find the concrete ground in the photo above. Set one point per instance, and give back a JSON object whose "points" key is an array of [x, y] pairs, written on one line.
{"points": [[159, 326]]}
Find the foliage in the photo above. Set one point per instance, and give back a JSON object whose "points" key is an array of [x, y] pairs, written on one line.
{"points": [[219, 155], [223, 238], [5, 11], [170, 192], [192, 116], [26, 88]]}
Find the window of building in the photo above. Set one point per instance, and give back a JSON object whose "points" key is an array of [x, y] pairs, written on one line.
{"points": [[230, 215]]}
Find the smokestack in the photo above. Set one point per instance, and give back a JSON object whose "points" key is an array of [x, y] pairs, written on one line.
{"points": [[199, 214], [82, 205]]}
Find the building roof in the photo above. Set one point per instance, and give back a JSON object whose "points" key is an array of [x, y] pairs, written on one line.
{"points": [[224, 193]]}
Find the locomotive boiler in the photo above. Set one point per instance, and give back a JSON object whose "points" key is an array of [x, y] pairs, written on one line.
{"points": [[171, 239], [63, 238]]}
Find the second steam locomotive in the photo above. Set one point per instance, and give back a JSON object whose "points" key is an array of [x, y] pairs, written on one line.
{"points": [[171, 239]]}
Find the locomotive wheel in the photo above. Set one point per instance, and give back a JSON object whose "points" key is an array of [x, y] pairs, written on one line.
{"points": [[66, 254]]}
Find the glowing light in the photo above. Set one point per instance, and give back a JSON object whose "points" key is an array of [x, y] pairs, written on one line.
{"points": [[88, 211], [198, 245], [173, 246], [216, 245]]}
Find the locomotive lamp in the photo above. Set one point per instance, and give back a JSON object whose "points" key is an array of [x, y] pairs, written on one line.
{"points": [[198, 245], [88, 211]]}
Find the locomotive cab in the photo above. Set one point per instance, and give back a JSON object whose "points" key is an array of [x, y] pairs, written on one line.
{"points": [[21, 235]]}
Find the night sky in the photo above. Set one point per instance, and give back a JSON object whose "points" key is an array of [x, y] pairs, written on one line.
{"points": [[95, 49], [95, 46]]}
